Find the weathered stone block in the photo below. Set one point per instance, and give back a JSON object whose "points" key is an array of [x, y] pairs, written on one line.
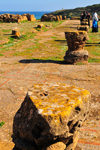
{"points": [[16, 33], [51, 18], [76, 41], [50, 113], [40, 26], [83, 28], [84, 22], [57, 146], [31, 17], [64, 17]]}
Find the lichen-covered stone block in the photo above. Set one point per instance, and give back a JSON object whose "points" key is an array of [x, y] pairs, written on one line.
{"points": [[49, 114]]}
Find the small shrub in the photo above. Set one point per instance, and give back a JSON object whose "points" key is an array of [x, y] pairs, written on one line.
{"points": [[2, 123]]}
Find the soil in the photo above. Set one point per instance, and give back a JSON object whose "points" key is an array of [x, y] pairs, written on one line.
{"points": [[18, 74]]}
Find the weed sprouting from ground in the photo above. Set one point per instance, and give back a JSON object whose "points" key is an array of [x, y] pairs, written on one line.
{"points": [[2, 123]]}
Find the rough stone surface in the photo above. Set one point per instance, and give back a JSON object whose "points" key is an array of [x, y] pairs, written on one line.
{"points": [[52, 17], [31, 17], [50, 113], [48, 18], [76, 41], [6, 145], [16, 33], [57, 146], [64, 17], [84, 22], [40, 26]]}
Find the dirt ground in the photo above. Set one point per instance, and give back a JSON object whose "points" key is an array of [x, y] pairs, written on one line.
{"points": [[18, 74]]}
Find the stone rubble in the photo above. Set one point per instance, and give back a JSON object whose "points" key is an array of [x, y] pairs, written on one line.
{"points": [[52, 17], [16, 18]]}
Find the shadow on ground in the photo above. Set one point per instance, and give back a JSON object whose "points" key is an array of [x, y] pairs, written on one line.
{"points": [[92, 44], [61, 41], [40, 61]]}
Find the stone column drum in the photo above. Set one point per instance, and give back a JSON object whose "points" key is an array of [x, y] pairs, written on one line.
{"points": [[16, 33], [50, 117], [76, 41]]}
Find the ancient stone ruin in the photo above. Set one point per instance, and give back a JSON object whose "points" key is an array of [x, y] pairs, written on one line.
{"points": [[52, 17], [50, 117], [16, 18], [83, 28], [84, 22], [16, 33], [76, 41]]}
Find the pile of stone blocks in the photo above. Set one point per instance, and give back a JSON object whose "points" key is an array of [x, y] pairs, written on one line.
{"points": [[50, 117], [16, 18], [53, 17]]}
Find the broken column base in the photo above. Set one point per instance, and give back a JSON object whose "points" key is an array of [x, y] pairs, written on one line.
{"points": [[73, 57], [16, 33]]}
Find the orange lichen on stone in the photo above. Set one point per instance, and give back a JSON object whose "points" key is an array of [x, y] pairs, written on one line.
{"points": [[50, 113], [6, 145], [57, 100]]}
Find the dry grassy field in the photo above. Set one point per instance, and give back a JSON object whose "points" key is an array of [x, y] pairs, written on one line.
{"points": [[44, 44]]}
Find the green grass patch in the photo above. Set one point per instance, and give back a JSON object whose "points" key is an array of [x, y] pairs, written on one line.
{"points": [[5, 30], [54, 37], [96, 52], [45, 29], [56, 23], [24, 21], [2, 123], [27, 36], [1, 55], [94, 60], [80, 63]]}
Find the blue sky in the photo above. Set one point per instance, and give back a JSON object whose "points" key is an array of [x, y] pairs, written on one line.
{"points": [[43, 5]]}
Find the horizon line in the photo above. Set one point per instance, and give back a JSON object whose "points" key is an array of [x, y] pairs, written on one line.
{"points": [[46, 10]]}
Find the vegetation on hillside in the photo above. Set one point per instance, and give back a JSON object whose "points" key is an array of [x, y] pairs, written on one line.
{"points": [[78, 11]]}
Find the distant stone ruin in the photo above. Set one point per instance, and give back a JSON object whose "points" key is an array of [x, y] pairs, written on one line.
{"points": [[52, 18], [75, 18], [50, 117], [16, 33], [76, 41], [84, 22], [16, 18], [83, 28]]}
